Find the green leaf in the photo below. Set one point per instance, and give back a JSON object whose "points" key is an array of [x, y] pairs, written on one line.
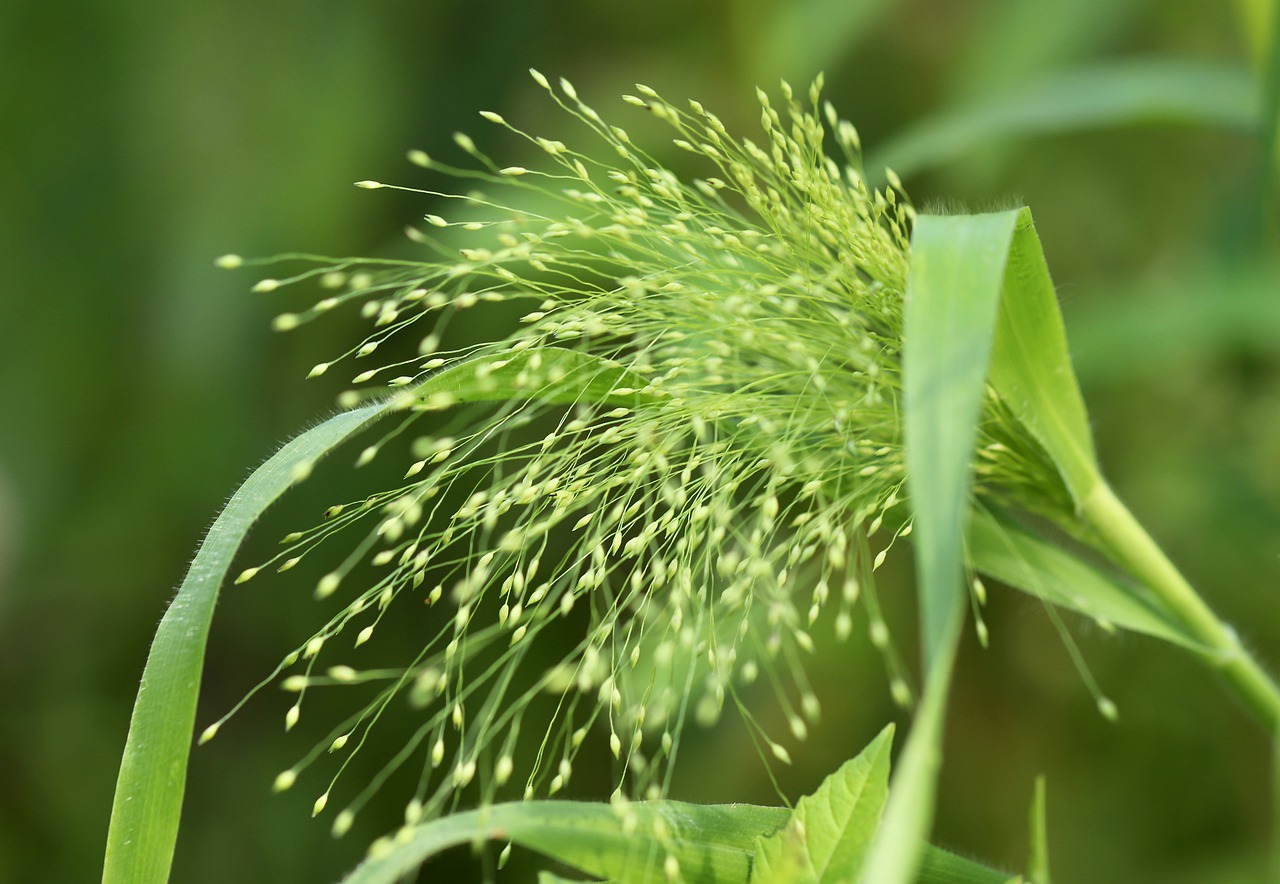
{"points": [[149, 789], [1118, 94], [938, 866], [148, 798], [827, 836], [1003, 549], [713, 844], [1031, 367], [1038, 863], [552, 878], [953, 292]]}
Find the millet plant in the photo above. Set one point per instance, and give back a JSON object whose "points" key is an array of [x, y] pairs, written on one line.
{"points": [[723, 401]]}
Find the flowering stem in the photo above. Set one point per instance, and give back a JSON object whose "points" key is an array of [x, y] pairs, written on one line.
{"points": [[1134, 549]]}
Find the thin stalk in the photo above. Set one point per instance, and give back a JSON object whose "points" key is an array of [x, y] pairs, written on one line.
{"points": [[1133, 548]]}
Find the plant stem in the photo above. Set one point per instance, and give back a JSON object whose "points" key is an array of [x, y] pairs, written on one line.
{"points": [[1133, 548]]}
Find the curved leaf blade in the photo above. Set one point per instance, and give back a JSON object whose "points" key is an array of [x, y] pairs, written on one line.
{"points": [[149, 789], [150, 785], [713, 844]]}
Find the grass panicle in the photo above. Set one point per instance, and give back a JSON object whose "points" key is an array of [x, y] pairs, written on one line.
{"points": [[718, 463]]}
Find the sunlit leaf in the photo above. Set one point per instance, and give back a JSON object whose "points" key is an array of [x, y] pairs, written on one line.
{"points": [[953, 292], [827, 836], [638, 842]]}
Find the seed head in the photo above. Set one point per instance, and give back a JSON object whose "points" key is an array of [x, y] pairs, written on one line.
{"points": [[676, 457]]}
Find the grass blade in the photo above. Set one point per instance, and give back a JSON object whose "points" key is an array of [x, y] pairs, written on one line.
{"points": [[804, 37], [713, 844], [1119, 94], [148, 798], [149, 789], [1031, 368], [1269, 122], [953, 294], [1000, 548]]}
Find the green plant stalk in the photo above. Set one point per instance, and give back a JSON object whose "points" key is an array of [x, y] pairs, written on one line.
{"points": [[1133, 548]]}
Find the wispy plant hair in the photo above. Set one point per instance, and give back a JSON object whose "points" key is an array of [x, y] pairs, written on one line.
{"points": [[688, 448]]}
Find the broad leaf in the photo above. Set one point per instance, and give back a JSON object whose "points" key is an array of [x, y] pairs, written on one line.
{"points": [[827, 836]]}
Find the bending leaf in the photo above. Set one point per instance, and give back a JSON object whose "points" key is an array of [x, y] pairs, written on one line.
{"points": [[711, 844], [148, 798], [152, 778]]}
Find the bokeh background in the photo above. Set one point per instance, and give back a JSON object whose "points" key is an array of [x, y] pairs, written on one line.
{"points": [[138, 385]]}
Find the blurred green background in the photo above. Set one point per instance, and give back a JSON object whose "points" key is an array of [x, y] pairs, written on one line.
{"points": [[138, 384]]}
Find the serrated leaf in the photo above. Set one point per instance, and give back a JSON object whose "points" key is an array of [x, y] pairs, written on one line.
{"points": [[827, 836], [152, 778]]}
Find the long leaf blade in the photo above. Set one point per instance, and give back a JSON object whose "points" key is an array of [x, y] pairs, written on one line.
{"points": [[711, 843], [149, 789], [999, 547], [953, 294]]}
